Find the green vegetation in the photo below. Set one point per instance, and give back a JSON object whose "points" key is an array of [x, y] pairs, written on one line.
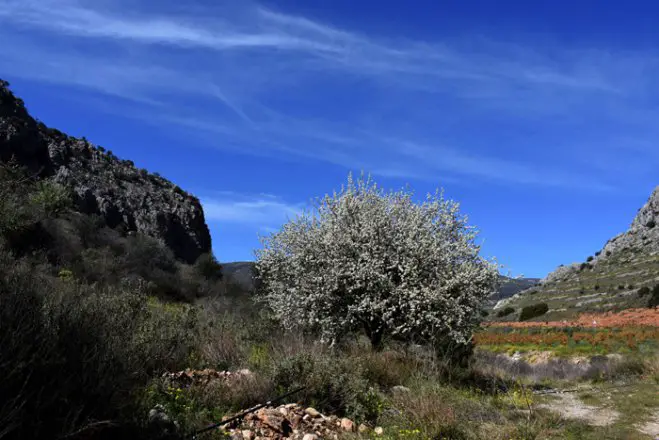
{"points": [[91, 317], [505, 312], [653, 301], [79, 336], [533, 311], [569, 341]]}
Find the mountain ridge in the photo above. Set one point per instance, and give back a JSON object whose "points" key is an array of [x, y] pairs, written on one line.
{"points": [[126, 197]]}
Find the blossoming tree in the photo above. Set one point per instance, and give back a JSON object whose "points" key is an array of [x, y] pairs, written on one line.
{"points": [[365, 259]]}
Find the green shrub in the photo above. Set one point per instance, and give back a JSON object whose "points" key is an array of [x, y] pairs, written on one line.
{"points": [[653, 301], [25, 204], [70, 353], [533, 311], [505, 312], [208, 267], [51, 198], [15, 191], [334, 384], [645, 290]]}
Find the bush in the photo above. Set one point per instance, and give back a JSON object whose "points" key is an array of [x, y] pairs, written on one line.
{"points": [[653, 301], [645, 290], [334, 384], [505, 312], [51, 198], [533, 311], [590, 258], [208, 267], [15, 191], [25, 204], [70, 354], [376, 262]]}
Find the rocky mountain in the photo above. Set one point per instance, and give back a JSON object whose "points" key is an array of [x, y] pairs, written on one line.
{"points": [[126, 197], [612, 279]]}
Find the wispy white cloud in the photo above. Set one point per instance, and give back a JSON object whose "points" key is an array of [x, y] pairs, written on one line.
{"points": [[263, 210], [273, 83]]}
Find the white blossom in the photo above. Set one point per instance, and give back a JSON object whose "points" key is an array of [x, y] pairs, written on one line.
{"points": [[376, 261]]}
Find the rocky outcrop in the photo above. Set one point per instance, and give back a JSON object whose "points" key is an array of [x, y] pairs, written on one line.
{"points": [[126, 197], [643, 235], [640, 241]]}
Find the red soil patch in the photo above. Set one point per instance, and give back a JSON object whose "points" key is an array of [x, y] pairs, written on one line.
{"points": [[626, 318]]}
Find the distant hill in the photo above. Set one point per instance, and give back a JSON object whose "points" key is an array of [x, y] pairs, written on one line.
{"points": [[609, 280], [511, 286], [240, 273]]}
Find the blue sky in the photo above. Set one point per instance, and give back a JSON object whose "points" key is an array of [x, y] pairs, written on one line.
{"points": [[539, 117]]}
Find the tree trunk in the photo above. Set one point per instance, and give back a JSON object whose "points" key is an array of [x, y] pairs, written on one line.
{"points": [[376, 341], [375, 335]]}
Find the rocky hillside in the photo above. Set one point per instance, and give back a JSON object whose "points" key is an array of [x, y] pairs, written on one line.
{"points": [[126, 197], [511, 286], [612, 279]]}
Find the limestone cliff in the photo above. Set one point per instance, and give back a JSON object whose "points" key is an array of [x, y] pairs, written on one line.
{"points": [[126, 197]]}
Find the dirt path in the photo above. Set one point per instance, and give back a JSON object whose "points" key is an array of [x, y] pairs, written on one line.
{"points": [[651, 426], [570, 406]]}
